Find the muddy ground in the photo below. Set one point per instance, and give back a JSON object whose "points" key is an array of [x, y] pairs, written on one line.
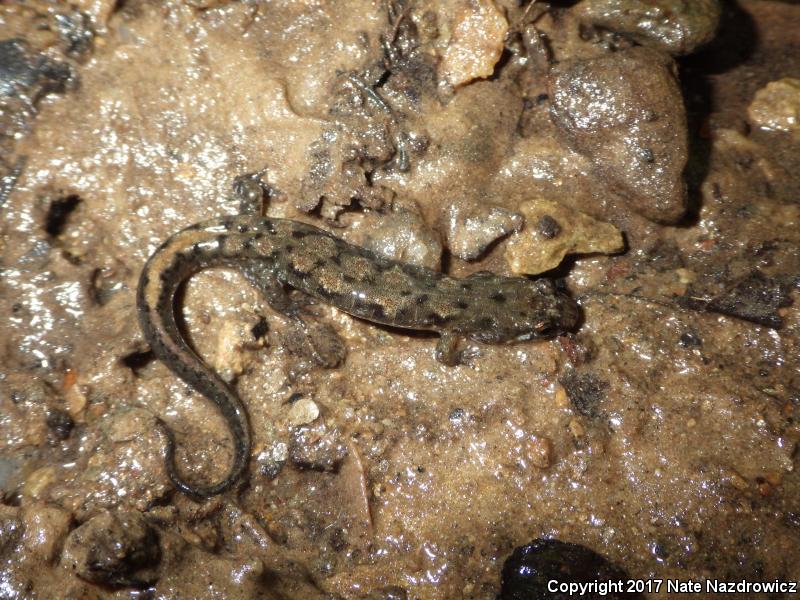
{"points": [[661, 434]]}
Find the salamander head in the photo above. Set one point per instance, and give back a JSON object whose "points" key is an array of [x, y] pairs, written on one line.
{"points": [[518, 310]]}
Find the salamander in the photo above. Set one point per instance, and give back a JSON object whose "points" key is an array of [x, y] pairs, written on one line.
{"points": [[274, 253]]}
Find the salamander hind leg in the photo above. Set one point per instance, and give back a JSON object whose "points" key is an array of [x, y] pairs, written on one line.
{"points": [[318, 342], [262, 277]]}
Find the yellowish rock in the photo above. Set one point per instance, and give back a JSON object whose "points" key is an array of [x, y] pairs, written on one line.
{"points": [[776, 107], [552, 231], [37, 482], [476, 43], [232, 356], [303, 412]]}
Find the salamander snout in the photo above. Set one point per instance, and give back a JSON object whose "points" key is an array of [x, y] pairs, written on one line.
{"points": [[520, 309], [551, 312]]}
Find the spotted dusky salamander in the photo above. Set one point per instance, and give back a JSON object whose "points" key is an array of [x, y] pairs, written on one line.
{"points": [[273, 253]]}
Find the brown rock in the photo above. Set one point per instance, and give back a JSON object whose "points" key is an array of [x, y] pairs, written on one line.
{"points": [[477, 43], [625, 112], [117, 549], [675, 26]]}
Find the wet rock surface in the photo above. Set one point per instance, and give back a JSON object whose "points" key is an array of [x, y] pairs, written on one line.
{"points": [[625, 112], [471, 229], [659, 435], [116, 549], [675, 26], [402, 234], [317, 447]]}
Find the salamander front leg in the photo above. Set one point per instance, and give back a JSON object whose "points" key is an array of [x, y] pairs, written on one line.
{"points": [[252, 190], [449, 353]]}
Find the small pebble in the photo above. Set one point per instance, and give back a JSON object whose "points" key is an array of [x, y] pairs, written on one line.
{"points": [[576, 429], [776, 107], [302, 412], [539, 451]]}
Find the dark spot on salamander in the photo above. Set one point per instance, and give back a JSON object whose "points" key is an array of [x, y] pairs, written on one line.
{"points": [[298, 235], [289, 248], [406, 293], [437, 320], [242, 228], [325, 293], [462, 304], [376, 310], [466, 286], [295, 271], [498, 297], [348, 278], [164, 299], [319, 263], [336, 260], [404, 314], [270, 227], [421, 299]]}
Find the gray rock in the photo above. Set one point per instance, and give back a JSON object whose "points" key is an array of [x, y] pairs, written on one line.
{"points": [[471, 228]]}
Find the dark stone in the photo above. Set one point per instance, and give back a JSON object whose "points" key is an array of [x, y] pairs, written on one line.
{"points": [[528, 570], [58, 213], [548, 227], [585, 392], [60, 423]]}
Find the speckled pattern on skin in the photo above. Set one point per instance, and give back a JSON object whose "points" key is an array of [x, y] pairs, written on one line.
{"points": [[275, 252]]}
